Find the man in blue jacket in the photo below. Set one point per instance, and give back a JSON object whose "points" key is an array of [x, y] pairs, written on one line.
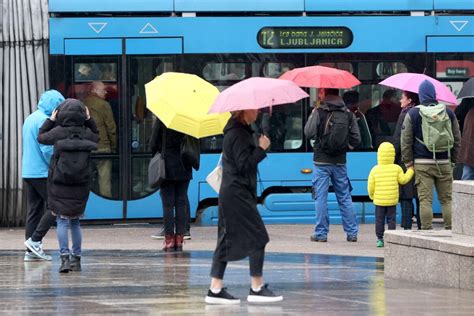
{"points": [[35, 165]]}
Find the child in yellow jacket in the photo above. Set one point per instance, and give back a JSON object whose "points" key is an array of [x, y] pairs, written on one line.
{"points": [[383, 187]]}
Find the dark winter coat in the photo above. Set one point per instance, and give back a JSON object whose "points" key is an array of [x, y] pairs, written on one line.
{"points": [[466, 153], [176, 170], [240, 230], [407, 191], [67, 200]]}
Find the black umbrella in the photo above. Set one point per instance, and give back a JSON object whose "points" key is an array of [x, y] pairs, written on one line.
{"points": [[467, 90]]}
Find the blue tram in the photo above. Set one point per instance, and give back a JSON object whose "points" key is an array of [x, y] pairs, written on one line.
{"points": [[125, 44]]}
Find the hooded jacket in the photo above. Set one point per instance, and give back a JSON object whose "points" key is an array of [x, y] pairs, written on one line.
{"points": [[36, 156], [68, 200], [331, 103], [413, 150], [385, 177]]}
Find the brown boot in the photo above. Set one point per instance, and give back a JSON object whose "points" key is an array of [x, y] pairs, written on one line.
{"points": [[168, 243], [178, 242]]}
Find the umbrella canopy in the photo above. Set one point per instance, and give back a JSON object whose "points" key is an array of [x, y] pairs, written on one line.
{"points": [[408, 81], [467, 90], [182, 101], [321, 77], [257, 93]]}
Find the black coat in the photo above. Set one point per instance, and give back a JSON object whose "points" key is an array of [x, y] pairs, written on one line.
{"points": [[67, 200], [176, 170], [407, 191], [240, 230]]}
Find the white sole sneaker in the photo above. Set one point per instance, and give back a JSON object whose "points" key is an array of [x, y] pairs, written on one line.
{"points": [[264, 299], [38, 252], [221, 301], [31, 257]]}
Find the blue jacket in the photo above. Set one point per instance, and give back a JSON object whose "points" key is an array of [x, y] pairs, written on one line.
{"points": [[36, 157]]}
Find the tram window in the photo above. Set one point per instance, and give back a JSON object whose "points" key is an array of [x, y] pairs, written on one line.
{"points": [[224, 71], [386, 69], [275, 70], [95, 71], [142, 69], [454, 66]]}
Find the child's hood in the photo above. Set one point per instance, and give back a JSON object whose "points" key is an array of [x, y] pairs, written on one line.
{"points": [[71, 113], [386, 154]]}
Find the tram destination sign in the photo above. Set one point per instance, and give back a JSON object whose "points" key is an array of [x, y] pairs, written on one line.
{"points": [[305, 37]]}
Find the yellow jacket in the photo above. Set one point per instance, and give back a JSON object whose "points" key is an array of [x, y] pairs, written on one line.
{"points": [[385, 177]]}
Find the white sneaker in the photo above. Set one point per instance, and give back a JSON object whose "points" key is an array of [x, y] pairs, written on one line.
{"points": [[37, 248], [265, 295], [29, 257]]}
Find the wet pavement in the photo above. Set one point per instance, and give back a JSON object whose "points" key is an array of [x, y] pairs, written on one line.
{"points": [[153, 282]]}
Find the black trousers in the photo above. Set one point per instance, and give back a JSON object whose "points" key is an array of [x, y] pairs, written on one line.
{"points": [[408, 210], [39, 218], [255, 264], [174, 195], [382, 213]]}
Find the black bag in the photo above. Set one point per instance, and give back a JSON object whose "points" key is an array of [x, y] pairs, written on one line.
{"points": [[156, 171], [157, 166], [191, 152], [334, 132], [72, 166]]}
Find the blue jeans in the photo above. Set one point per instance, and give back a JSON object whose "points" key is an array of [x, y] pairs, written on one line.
{"points": [[63, 238], [337, 174], [467, 173]]}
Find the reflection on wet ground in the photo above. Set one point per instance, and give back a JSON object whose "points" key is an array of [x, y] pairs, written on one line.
{"points": [[168, 283]]}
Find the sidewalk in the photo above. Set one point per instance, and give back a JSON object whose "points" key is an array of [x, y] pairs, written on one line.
{"points": [[283, 239]]}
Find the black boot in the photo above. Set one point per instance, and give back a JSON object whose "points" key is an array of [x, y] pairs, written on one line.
{"points": [[76, 263], [65, 264]]}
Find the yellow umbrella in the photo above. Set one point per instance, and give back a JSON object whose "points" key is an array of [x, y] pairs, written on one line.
{"points": [[181, 101]]}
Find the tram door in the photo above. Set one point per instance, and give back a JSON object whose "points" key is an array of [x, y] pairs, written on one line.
{"points": [[109, 76]]}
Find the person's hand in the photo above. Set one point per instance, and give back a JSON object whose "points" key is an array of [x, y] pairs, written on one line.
{"points": [[54, 115], [88, 115], [264, 142]]}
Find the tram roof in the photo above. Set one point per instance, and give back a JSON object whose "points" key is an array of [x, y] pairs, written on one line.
{"points": [[252, 6]]}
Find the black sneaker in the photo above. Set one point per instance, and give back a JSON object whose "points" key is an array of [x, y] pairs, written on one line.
{"points": [[265, 295], [221, 298], [352, 238], [320, 239], [160, 234], [187, 235]]}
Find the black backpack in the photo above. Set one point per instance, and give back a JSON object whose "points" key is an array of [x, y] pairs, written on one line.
{"points": [[334, 131], [73, 159]]}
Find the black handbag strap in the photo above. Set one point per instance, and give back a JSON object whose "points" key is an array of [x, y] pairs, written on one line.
{"points": [[163, 141]]}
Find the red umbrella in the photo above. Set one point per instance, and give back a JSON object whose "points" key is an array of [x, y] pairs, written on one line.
{"points": [[321, 77]]}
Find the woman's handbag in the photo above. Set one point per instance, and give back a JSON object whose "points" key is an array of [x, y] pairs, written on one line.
{"points": [[156, 167], [215, 177], [156, 171]]}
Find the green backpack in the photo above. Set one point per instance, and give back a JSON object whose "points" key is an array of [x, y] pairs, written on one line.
{"points": [[436, 129]]}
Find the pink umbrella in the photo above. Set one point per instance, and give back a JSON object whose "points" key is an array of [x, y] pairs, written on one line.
{"points": [[411, 81], [321, 77], [257, 93]]}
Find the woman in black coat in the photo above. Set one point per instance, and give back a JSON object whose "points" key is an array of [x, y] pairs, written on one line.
{"points": [[74, 135], [174, 190], [241, 232], [407, 191]]}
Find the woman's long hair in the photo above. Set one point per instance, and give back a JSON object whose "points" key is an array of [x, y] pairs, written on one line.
{"points": [[413, 96]]}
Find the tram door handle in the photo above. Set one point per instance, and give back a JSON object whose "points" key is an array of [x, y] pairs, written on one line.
{"points": [[306, 171]]}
